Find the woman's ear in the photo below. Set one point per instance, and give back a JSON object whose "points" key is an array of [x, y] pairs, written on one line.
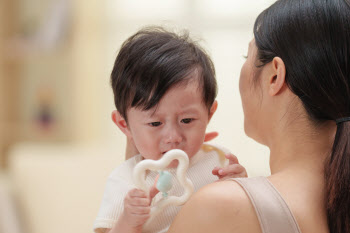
{"points": [[277, 77], [121, 123], [213, 108]]}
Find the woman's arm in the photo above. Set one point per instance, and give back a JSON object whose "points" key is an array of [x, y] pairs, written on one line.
{"points": [[218, 207]]}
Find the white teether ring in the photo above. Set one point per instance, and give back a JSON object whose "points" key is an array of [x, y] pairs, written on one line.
{"points": [[140, 179]]}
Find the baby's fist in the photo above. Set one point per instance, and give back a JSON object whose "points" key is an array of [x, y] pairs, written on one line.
{"points": [[136, 207], [232, 170]]}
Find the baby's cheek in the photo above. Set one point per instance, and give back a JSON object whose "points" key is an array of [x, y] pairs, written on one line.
{"points": [[150, 153], [145, 147], [195, 144]]}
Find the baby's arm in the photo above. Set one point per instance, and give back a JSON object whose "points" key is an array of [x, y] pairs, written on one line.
{"points": [[232, 170]]}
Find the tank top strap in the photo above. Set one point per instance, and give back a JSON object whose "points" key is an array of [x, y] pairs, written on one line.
{"points": [[273, 212]]}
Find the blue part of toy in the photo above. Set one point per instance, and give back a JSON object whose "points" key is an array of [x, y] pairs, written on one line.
{"points": [[164, 182]]}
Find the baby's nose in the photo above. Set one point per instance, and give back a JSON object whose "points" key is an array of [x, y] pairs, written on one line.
{"points": [[173, 136]]}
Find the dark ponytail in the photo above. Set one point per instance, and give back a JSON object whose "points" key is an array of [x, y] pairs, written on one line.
{"points": [[312, 37], [337, 175]]}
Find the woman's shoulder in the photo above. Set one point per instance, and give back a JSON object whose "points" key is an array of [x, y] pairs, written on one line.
{"points": [[222, 192], [218, 207]]}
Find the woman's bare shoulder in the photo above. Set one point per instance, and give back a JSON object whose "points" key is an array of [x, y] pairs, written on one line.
{"points": [[218, 207]]}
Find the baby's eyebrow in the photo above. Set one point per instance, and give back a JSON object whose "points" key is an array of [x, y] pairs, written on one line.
{"points": [[151, 112], [156, 114], [190, 110]]}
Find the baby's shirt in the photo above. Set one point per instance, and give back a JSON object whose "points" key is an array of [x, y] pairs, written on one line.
{"points": [[120, 182]]}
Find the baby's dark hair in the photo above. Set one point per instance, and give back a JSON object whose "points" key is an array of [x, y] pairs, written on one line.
{"points": [[154, 60]]}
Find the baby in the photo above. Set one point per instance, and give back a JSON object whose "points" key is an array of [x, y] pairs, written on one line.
{"points": [[164, 90]]}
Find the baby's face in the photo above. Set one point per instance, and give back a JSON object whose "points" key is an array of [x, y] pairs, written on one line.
{"points": [[179, 121]]}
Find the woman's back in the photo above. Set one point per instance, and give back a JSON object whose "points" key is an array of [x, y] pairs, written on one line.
{"points": [[271, 209], [304, 196]]}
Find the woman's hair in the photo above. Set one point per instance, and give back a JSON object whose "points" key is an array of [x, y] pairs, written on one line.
{"points": [[152, 61], [312, 37]]}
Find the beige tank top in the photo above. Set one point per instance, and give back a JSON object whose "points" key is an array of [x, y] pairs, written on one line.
{"points": [[273, 212]]}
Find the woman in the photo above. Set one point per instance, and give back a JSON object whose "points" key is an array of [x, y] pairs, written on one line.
{"points": [[295, 94]]}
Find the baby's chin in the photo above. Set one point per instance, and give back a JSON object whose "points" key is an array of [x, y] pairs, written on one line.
{"points": [[173, 164]]}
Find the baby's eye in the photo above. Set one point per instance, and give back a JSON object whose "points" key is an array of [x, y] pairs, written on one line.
{"points": [[187, 120], [155, 124]]}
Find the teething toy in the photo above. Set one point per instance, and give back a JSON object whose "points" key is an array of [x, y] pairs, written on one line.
{"points": [[164, 180], [164, 183]]}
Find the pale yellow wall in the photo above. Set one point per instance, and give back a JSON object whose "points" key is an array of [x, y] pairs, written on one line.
{"points": [[87, 68]]}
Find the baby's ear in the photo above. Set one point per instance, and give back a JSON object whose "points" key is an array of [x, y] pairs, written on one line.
{"points": [[121, 123], [213, 108]]}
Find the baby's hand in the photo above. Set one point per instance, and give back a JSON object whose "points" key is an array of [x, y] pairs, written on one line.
{"points": [[137, 208], [232, 170]]}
